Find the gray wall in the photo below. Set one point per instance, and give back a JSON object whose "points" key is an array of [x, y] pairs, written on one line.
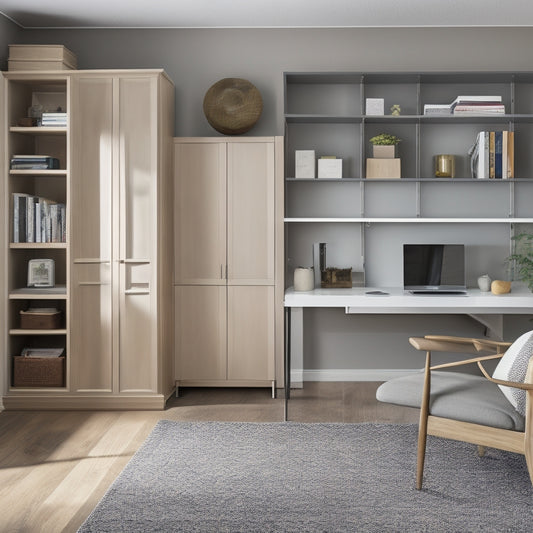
{"points": [[10, 33], [197, 58]]}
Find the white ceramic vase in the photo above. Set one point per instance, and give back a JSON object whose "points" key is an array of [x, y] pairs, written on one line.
{"points": [[304, 279], [484, 282]]}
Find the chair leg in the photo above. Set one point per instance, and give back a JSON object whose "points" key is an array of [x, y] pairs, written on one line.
{"points": [[422, 438], [528, 439], [423, 424], [481, 451]]}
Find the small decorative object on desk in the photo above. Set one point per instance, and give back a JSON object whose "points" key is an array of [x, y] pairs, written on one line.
{"points": [[445, 166], [484, 282], [499, 286], [337, 278], [304, 279], [41, 273]]}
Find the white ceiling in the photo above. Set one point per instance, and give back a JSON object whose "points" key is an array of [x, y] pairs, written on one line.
{"points": [[266, 13]]}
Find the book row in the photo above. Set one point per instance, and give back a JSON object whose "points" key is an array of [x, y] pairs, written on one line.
{"points": [[37, 219], [492, 155]]}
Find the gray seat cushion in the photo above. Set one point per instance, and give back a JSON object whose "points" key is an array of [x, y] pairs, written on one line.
{"points": [[455, 395]]}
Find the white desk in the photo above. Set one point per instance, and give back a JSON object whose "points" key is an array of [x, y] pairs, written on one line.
{"points": [[485, 307]]}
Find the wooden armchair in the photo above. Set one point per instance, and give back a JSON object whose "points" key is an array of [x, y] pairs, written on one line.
{"points": [[490, 411]]}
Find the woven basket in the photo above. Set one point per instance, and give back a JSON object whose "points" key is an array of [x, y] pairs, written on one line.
{"points": [[38, 371], [232, 106]]}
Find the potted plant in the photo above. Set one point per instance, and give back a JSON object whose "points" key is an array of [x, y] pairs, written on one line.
{"points": [[522, 258], [384, 145]]}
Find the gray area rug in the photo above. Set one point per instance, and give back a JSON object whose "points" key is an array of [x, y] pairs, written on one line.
{"points": [[280, 477]]}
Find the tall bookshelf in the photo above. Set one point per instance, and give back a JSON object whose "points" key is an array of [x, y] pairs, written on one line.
{"points": [[23, 92], [365, 221], [113, 267]]}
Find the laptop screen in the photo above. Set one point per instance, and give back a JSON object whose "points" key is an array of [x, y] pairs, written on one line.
{"points": [[434, 267]]}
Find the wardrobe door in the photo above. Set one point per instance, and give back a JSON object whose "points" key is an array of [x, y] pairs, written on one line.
{"points": [[251, 333], [137, 173], [251, 215], [200, 332], [200, 213], [92, 320]]}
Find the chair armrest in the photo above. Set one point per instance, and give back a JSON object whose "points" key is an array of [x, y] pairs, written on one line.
{"points": [[524, 386], [435, 343], [486, 344], [468, 361]]}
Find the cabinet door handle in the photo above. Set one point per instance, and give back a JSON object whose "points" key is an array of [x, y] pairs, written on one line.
{"points": [[133, 292], [134, 261], [89, 261]]}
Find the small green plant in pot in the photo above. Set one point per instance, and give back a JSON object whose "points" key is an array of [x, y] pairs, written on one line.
{"points": [[522, 258], [385, 145]]}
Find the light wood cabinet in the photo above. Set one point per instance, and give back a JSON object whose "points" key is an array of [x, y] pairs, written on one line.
{"points": [[228, 261], [118, 257]]}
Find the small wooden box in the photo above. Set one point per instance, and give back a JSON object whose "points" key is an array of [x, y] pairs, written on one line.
{"points": [[336, 278], [40, 320], [40, 57], [383, 168], [38, 371]]}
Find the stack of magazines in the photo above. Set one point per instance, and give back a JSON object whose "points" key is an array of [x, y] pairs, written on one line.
{"points": [[54, 119], [34, 162], [478, 105]]}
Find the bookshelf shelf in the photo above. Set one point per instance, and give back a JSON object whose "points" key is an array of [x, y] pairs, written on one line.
{"points": [[39, 130], [38, 332], [59, 292], [37, 245], [29, 172]]}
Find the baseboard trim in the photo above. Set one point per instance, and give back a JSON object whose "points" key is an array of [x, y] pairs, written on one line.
{"points": [[348, 374]]}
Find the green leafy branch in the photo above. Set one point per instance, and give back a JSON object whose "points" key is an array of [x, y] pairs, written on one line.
{"points": [[385, 139], [523, 258]]}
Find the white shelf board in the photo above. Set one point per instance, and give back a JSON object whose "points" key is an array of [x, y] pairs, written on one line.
{"points": [[37, 331], [412, 220]]}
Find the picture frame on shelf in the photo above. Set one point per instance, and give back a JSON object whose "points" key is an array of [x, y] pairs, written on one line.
{"points": [[41, 273]]}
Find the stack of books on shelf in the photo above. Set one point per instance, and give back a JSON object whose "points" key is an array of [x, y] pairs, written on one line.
{"points": [[468, 105], [492, 155], [37, 219], [478, 105], [42, 352], [437, 109], [54, 119], [34, 162]]}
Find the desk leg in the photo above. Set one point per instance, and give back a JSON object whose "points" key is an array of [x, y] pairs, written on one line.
{"points": [[287, 360]]}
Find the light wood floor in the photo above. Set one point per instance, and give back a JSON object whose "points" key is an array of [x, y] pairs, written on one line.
{"points": [[56, 466]]}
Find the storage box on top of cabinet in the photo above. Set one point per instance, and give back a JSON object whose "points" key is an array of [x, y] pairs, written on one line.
{"points": [[41, 57]]}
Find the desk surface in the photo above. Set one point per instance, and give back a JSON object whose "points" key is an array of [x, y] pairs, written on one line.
{"points": [[355, 300]]}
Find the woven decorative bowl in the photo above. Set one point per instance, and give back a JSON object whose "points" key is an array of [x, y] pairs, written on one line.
{"points": [[233, 106]]}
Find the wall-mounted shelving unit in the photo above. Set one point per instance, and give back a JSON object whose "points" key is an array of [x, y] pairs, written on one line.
{"points": [[366, 221]]}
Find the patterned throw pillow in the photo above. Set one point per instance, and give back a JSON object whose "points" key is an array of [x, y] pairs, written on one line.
{"points": [[513, 367]]}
